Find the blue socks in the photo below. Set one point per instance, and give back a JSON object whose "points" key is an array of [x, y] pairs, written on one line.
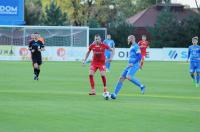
{"points": [[120, 84], [197, 79], [136, 82], [118, 87], [192, 76]]}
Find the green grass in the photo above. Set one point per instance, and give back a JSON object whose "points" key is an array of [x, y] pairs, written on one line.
{"points": [[59, 101]]}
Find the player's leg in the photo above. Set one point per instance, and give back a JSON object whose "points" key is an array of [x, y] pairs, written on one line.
{"points": [[36, 67], [91, 77], [130, 77], [107, 62], [102, 70], [39, 62], [197, 78], [142, 61], [119, 83], [192, 71], [197, 74]]}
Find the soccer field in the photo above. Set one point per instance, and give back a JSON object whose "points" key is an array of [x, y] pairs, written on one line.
{"points": [[59, 101]]}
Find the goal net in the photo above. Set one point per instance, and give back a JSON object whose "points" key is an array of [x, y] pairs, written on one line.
{"points": [[101, 31], [53, 35]]}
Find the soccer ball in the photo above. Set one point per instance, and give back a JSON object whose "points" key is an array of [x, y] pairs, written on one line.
{"points": [[106, 95]]}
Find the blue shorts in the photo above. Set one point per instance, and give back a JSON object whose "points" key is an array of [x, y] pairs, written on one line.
{"points": [[130, 70], [194, 66]]}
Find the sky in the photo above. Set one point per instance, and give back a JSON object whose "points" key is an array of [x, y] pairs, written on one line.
{"points": [[191, 3]]}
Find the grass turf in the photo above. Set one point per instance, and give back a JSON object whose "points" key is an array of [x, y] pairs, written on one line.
{"points": [[59, 101]]}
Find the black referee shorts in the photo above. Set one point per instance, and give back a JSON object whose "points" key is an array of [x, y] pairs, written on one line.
{"points": [[36, 58]]}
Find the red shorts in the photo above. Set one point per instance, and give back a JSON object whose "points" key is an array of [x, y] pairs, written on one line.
{"points": [[143, 56], [94, 67]]}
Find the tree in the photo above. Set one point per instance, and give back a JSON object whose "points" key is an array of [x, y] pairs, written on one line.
{"points": [[54, 16], [82, 11], [33, 11], [198, 8], [166, 31], [93, 23], [120, 33], [190, 27]]}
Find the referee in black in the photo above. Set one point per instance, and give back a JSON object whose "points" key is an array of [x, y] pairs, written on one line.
{"points": [[36, 46]]}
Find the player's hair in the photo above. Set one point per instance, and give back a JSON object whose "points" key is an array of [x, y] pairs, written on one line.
{"points": [[37, 34], [131, 36], [196, 38], [97, 36]]}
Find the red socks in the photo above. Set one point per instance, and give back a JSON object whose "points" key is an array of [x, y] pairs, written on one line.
{"points": [[142, 63], [104, 83], [92, 82]]}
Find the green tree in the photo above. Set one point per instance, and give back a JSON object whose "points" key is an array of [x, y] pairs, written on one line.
{"points": [[190, 27], [93, 23], [166, 31], [33, 11], [54, 15], [120, 34], [76, 13]]}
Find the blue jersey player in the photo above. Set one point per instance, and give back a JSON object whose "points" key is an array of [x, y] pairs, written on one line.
{"points": [[131, 69], [194, 56], [111, 44]]}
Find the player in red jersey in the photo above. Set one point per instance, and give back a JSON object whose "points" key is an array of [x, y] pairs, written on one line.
{"points": [[144, 44], [98, 62]]}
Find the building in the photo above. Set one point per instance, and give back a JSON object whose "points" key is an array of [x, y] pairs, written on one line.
{"points": [[148, 17]]}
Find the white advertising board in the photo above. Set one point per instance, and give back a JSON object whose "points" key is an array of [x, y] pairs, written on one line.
{"points": [[21, 53]]}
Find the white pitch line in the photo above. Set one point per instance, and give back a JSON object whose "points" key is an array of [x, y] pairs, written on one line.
{"points": [[85, 93]]}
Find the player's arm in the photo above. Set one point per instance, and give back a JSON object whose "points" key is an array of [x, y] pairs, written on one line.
{"points": [[140, 44], [113, 53], [86, 56], [138, 56], [30, 46], [148, 45], [137, 59], [188, 55], [41, 48]]}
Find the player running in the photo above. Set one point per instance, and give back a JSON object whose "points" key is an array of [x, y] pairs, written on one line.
{"points": [[36, 46], [111, 44], [98, 62], [194, 56], [144, 44], [131, 69]]}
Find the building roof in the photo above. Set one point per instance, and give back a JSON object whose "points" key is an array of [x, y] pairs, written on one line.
{"points": [[148, 17]]}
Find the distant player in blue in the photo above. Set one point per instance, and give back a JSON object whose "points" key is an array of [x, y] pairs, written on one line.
{"points": [[131, 69], [194, 57], [111, 44]]}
